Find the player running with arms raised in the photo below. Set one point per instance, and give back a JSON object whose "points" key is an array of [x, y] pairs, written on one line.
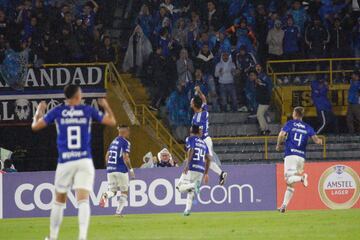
{"points": [[75, 166], [295, 133], [118, 166], [201, 118], [196, 167]]}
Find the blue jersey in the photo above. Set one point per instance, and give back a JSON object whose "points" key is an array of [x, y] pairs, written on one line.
{"points": [[201, 119], [115, 161], [73, 125], [298, 134], [197, 162]]}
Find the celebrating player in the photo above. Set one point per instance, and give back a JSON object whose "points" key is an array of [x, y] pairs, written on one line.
{"points": [[196, 167], [118, 165], [201, 118], [296, 132], [75, 166]]}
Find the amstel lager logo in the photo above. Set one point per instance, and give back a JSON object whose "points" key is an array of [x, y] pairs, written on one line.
{"points": [[339, 187]]}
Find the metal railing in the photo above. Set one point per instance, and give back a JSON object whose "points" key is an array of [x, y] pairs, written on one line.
{"points": [[266, 140], [147, 118], [326, 66]]}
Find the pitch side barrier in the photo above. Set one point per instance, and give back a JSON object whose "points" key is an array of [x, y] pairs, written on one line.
{"points": [[250, 187]]}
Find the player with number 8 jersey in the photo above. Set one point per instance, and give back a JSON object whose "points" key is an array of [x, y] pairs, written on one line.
{"points": [[75, 167]]}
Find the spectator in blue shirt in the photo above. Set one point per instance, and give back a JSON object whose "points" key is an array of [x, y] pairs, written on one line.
{"points": [[178, 106], [299, 14], [353, 113], [319, 92], [291, 39]]}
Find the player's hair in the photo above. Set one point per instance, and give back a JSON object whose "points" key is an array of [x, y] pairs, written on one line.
{"points": [[70, 91], [197, 101], [122, 126], [300, 111], [195, 129]]}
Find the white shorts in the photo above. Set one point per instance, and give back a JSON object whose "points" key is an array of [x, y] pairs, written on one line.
{"points": [[209, 145], [293, 165], [214, 157], [191, 177], [77, 174], [118, 181]]}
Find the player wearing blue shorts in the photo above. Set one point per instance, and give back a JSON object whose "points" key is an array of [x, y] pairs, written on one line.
{"points": [[75, 167], [295, 133], [118, 167], [196, 167], [201, 118]]}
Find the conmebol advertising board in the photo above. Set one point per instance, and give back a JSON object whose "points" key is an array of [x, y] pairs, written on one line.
{"points": [[249, 187]]}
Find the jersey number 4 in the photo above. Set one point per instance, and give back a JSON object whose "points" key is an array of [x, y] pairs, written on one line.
{"points": [[298, 138]]}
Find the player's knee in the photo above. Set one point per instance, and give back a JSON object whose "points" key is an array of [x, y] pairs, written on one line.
{"points": [[60, 197], [82, 194]]}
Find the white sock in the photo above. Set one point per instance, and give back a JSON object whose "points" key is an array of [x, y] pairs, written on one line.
{"points": [[122, 203], [215, 168], [84, 218], [186, 187], [56, 217], [109, 194], [288, 195], [189, 201], [294, 179]]}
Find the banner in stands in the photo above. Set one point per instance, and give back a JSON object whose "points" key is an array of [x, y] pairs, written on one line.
{"points": [[332, 185], [23, 107], [46, 84], [55, 77], [249, 187], [291, 96]]}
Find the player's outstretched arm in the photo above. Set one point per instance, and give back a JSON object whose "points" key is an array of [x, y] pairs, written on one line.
{"points": [[317, 140], [38, 120], [280, 140], [201, 94], [109, 118], [127, 162]]}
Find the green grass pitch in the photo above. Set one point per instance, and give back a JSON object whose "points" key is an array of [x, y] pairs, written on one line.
{"points": [[304, 225]]}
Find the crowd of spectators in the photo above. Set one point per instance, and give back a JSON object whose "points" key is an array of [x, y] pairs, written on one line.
{"points": [[57, 31], [217, 44]]}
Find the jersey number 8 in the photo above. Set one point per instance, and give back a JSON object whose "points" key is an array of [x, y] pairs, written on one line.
{"points": [[74, 137]]}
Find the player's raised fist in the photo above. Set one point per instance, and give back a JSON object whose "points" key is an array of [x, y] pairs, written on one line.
{"points": [[103, 102], [41, 107]]}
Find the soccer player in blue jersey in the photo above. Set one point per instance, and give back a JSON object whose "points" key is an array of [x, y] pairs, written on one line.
{"points": [[201, 118], [118, 166], [295, 133], [196, 167], [75, 166]]}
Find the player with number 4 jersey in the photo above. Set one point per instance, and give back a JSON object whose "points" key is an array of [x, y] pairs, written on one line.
{"points": [[295, 133], [75, 167], [196, 167], [118, 167]]}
